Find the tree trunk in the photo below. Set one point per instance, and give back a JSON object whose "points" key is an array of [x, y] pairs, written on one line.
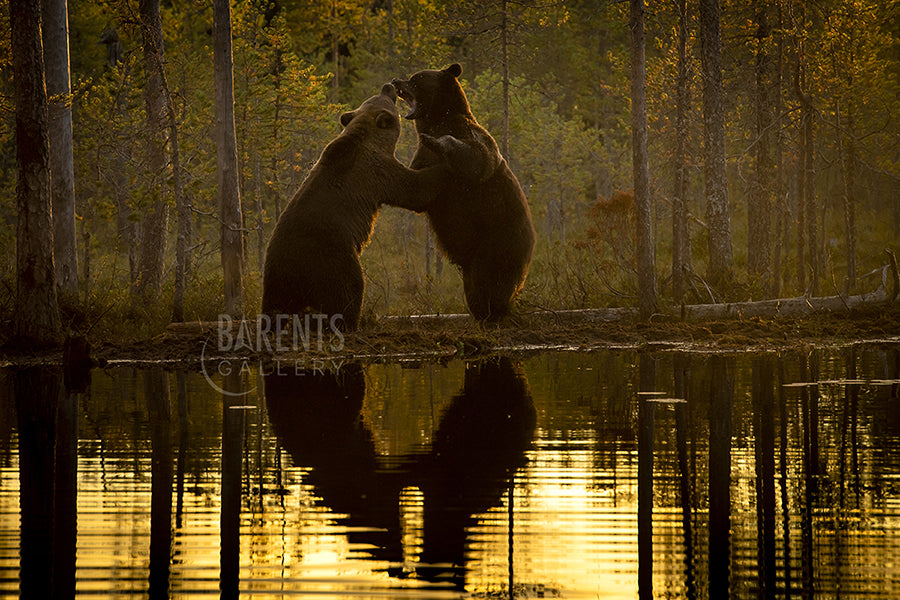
{"points": [[37, 313], [681, 237], [848, 175], [721, 408], [718, 217], [801, 191], [86, 261], [504, 58], [226, 151], [759, 211], [55, 30], [812, 223], [154, 225], [183, 215], [807, 208], [335, 50], [781, 220], [275, 186], [260, 214], [647, 300]]}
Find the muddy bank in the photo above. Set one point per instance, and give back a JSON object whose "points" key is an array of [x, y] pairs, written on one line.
{"points": [[447, 336]]}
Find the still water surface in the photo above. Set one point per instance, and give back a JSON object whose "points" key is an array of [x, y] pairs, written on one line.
{"points": [[574, 475]]}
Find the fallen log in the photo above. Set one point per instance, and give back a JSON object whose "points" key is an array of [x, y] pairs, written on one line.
{"points": [[798, 307], [802, 306]]}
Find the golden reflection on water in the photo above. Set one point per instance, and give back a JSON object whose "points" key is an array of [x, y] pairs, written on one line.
{"points": [[401, 481]]}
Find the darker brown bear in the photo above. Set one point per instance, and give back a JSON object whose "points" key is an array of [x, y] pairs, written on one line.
{"points": [[479, 214], [312, 261]]}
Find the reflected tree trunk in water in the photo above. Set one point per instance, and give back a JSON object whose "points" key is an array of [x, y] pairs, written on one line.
{"points": [[510, 538], [65, 524], [809, 406], [847, 483], [895, 389], [645, 478], [183, 437], [230, 523], [37, 395], [682, 380], [156, 394], [720, 401], [764, 425], [853, 409], [785, 498]]}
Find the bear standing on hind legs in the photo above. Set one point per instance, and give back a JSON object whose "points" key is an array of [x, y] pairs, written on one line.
{"points": [[479, 214], [312, 261]]}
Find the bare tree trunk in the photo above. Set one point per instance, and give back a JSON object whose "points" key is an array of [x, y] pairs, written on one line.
{"points": [[718, 217], [260, 213], [681, 236], [274, 186], [55, 31], [127, 229], [226, 145], [848, 176], [812, 223], [183, 215], [335, 52], [759, 209], [647, 297], [37, 313], [504, 57], [850, 205], [807, 208], [86, 261], [429, 256], [801, 188], [780, 202], [391, 33], [155, 223]]}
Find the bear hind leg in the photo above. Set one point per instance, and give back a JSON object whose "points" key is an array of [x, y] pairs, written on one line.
{"points": [[488, 295]]}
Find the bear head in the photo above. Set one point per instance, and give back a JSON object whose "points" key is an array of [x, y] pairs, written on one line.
{"points": [[376, 122], [433, 95]]}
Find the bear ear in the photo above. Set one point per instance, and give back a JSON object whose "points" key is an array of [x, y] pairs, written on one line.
{"points": [[390, 91], [386, 120], [347, 117], [455, 69]]}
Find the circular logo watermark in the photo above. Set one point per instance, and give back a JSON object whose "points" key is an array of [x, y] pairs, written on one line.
{"points": [[236, 340]]}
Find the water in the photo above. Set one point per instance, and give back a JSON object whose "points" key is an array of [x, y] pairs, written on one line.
{"points": [[574, 475]]}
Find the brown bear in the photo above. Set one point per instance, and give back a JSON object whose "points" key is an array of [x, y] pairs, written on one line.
{"points": [[312, 261], [479, 214]]}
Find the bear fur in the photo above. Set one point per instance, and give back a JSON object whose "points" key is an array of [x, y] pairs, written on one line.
{"points": [[479, 215], [312, 261]]}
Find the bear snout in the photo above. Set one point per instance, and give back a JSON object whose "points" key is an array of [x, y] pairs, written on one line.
{"points": [[402, 88], [389, 90]]}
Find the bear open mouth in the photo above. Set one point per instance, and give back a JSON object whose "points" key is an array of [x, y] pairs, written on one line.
{"points": [[412, 108]]}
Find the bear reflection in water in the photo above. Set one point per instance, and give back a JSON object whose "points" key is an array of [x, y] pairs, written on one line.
{"points": [[480, 442]]}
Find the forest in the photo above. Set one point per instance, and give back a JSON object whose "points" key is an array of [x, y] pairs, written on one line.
{"points": [[810, 159]]}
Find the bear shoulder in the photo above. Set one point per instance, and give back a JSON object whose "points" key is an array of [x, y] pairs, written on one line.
{"points": [[340, 151]]}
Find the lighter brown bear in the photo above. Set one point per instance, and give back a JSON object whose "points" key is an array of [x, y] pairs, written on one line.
{"points": [[312, 261]]}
